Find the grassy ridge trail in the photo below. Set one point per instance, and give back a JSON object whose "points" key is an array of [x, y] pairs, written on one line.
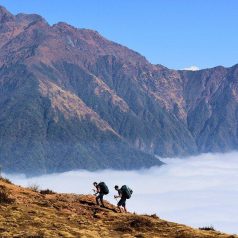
{"points": [[31, 214]]}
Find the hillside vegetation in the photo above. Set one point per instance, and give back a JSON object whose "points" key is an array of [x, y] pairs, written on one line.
{"points": [[37, 214]]}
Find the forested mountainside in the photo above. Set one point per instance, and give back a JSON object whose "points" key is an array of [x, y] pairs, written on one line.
{"points": [[71, 99]]}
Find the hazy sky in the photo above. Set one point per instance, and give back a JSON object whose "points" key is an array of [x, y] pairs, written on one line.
{"points": [[175, 33], [199, 191]]}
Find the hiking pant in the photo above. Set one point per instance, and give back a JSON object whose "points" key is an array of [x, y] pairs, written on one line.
{"points": [[100, 197]]}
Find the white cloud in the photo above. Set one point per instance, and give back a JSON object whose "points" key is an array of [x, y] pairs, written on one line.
{"points": [[198, 191], [191, 68]]}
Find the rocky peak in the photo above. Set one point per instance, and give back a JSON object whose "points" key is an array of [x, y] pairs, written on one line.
{"points": [[5, 16], [30, 18], [63, 25]]}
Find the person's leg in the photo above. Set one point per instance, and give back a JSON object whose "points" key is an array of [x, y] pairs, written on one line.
{"points": [[119, 204], [125, 210], [124, 204], [120, 209], [97, 198], [101, 199]]}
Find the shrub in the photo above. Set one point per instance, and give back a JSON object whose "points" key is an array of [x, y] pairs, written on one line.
{"points": [[34, 187], [4, 195], [135, 223], [6, 180], [47, 191], [154, 216], [207, 228]]}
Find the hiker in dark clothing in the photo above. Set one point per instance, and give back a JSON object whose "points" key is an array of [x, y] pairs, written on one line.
{"points": [[122, 202], [100, 191]]}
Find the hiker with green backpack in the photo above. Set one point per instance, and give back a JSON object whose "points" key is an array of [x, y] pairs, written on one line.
{"points": [[123, 193], [100, 191]]}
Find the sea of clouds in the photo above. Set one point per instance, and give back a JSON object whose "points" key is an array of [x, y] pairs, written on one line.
{"points": [[197, 191]]}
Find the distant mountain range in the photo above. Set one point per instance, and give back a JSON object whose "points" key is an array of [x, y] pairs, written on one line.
{"points": [[71, 99]]}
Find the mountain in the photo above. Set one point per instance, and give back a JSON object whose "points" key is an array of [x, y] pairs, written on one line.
{"points": [[71, 99], [30, 213]]}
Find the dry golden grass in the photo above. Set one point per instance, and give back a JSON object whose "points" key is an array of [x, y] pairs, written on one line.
{"points": [[71, 105], [36, 215]]}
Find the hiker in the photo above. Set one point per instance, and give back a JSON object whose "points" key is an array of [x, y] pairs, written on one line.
{"points": [[123, 193], [100, 191]]}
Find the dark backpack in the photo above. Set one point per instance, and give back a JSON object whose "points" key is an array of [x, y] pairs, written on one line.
{"points": [[126, 191], [103, 188]]}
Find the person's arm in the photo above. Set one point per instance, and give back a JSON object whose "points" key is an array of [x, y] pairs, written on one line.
{"points": [[96, 191], [119, 195]]}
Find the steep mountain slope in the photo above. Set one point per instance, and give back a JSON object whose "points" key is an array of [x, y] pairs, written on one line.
{"points": [[28, 213], [211, 96], [72, 99]]}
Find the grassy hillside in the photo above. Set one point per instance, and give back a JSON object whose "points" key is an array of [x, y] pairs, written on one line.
{"points": [[28, 213]]}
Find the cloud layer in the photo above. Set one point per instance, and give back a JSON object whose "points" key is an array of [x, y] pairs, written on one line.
{"points": [[198, 191]]}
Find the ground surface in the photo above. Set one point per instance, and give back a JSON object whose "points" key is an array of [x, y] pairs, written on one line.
{"points": [[28, 213]]}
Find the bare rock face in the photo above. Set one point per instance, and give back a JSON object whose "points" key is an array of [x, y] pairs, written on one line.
{"points": [[71, 99], [211, 96]]}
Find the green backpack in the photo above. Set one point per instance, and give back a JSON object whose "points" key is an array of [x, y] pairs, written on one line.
{"points": [[103, 188], [126, 191]]}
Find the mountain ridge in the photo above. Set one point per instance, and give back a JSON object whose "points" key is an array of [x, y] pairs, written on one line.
{"points": [[50, 76]]}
